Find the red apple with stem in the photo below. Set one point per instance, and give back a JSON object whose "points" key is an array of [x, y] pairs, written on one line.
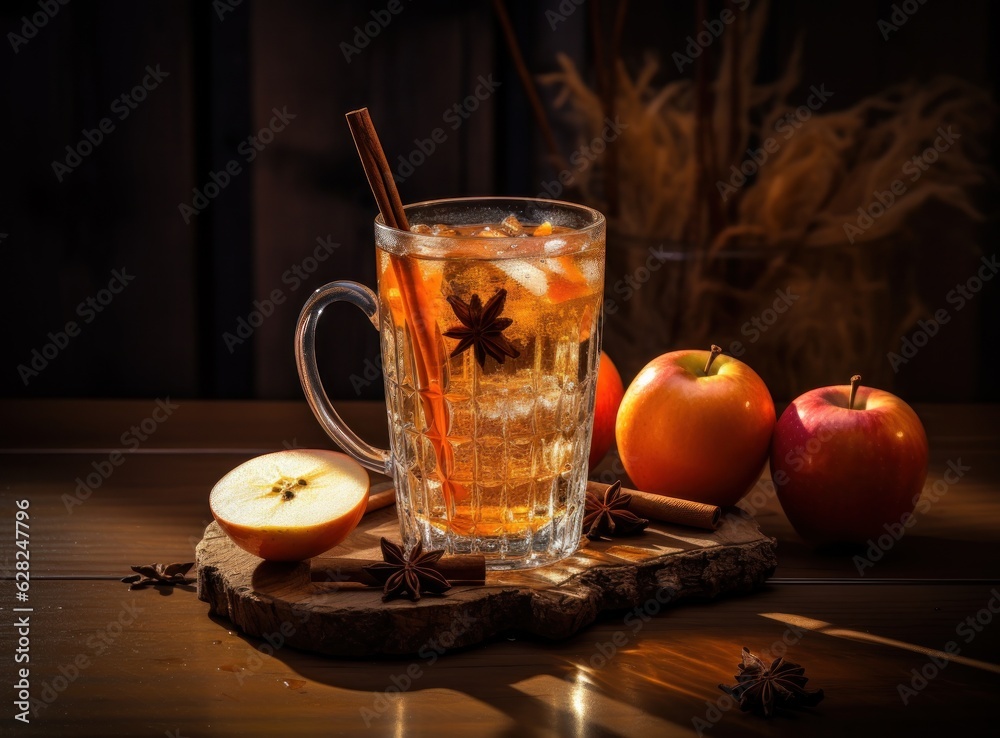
{"points": [[847, 461], [696, 425]]}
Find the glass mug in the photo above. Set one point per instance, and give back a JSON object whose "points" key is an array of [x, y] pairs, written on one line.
{"points": [[490, 345]]}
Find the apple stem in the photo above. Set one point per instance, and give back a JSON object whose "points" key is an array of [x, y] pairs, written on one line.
{"points": [[716, 350], [855, 383]]}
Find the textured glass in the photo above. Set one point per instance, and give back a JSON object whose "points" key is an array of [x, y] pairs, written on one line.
{"points": [[504, 471]]}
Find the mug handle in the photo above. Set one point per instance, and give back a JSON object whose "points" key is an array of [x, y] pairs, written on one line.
{"points": [[376, 459]]}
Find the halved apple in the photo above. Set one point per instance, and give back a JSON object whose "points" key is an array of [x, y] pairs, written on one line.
{"points": [[291, 505]]}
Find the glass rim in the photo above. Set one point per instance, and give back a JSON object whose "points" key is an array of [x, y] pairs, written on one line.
{"points": [[598, 219]]}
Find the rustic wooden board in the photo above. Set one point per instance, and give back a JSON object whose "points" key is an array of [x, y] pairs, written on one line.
{"points": [[664, 566]]}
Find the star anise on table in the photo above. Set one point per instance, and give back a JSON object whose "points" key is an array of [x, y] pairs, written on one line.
{"points": [[610, 516], [408, 576], [152, 574], [482, 328], [763, 688]]}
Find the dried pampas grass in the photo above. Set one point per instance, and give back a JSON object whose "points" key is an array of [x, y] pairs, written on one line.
{"points": [[797, 214]]}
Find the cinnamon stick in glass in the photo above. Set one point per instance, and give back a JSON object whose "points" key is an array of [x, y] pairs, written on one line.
{"points": [[425, 350], [666, 509]]}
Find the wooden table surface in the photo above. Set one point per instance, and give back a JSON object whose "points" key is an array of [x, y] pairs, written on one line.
{"points": [[105, 661]]}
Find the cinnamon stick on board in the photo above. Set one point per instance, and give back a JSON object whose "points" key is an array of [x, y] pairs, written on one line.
{"points": [[379, 498], [666, 509]]}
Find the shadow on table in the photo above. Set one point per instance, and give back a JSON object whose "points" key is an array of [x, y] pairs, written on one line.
{"points": [[553, 686], [489, 673], [663, 680]]}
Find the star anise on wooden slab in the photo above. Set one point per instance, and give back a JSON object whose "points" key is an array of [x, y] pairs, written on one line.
{"points": [[609, 515], [152, 574], [764, 688], [408, 576], [482, 328]]}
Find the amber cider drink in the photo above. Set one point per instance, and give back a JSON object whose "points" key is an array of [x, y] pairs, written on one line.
{"points": [[489, 315]]}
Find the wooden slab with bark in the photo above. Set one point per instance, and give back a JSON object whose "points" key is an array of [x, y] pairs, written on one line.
{"points": [[314, 611]]}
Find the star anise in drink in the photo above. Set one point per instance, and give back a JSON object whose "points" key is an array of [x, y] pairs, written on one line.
{"points": [[608, 515], [763, 688], [408, 576], [482, 328]]}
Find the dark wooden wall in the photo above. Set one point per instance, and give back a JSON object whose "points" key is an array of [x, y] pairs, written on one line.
{"points": [[194, 282], [311, 185], [117, 209]]}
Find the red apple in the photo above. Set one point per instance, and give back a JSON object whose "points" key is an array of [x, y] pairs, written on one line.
{"points": [[609, 396], [696, 425], [847, 461]]}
